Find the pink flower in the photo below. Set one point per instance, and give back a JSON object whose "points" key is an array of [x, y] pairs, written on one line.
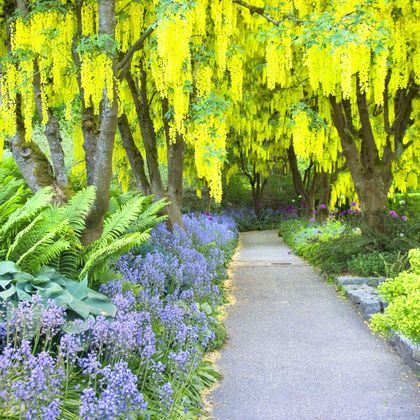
{"points": [[393, 213], [322, 206], [404, 218], [353, 204]]}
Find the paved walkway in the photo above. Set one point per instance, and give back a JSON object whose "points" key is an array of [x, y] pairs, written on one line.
{"points": [[298, 351]]}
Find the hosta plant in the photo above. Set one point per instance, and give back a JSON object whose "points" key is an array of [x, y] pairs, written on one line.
{"points": [[75, 296]]}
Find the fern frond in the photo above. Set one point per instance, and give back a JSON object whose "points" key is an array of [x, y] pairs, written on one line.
{"points": [[120, 222], [32, 207], [105, 255], [68, 262], [149, 218], [43, 254], [43, 251], [10, 187], [78, 208], [21, 238], [13, 203]]}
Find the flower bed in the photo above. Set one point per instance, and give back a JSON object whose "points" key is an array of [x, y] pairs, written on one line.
{"points": [[145, 362]]}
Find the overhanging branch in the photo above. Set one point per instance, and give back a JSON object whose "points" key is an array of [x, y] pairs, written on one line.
{"points": [[261, 11], [125, 62]]}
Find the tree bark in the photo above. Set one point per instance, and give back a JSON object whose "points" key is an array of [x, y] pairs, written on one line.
{"points": [[175, 161], [102, 172], [308, 191], [148, 134], [52, 133], [89, 121], [134, 156], [32, 163], [372, 177]]}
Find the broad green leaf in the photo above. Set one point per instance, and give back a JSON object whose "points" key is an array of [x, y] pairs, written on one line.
{"points": [[79, 307], [7, 267], [8, 293]]}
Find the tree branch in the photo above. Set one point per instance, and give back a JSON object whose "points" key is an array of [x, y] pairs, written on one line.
{"points": [[261, 11], [125, 62]]}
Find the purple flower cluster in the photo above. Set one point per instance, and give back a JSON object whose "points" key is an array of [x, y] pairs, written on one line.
{"points": [[31, 385], [116, 395], [135, 364]]}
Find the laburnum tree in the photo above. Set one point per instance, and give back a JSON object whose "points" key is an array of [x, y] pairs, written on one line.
{"points": [[147, 83], [361, 61]]}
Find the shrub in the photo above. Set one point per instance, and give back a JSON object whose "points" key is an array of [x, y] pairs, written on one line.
{"points": [[403, 295], [367, 265]]}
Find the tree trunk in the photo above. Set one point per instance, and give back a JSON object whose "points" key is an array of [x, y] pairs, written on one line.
{"points": [[372, 176], [373, 195], [134, 156], [102, 173], [257, 189], [52, 132], [147, 133], [175, 160], [89, 121], [32, 163]]}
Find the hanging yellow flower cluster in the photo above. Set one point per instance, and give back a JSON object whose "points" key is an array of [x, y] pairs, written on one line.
{"points": [[96, 74], [278, 55], [342, 190]]}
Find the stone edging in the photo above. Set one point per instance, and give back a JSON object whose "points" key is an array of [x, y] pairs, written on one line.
{"points": [[362, 293]]}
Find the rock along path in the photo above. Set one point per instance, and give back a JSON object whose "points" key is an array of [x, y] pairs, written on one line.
{"points": [[298, 351]]}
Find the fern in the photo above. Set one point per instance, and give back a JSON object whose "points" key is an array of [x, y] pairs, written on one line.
{"points": [[98, 260], [78, 208], [121, 221], [14, 202], [24, 214], [42, 252], [149, 218]]}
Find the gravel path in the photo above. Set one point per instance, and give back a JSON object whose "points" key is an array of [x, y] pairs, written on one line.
{"points": [[298, 351]]}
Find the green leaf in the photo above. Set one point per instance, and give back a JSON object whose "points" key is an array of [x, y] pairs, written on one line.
{"points": [[8, 293], [7, 267], [79, 307], [100, 307], [80, 289], [4, 283]]}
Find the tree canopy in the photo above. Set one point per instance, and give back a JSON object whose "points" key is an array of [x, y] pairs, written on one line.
{"points": [[184, 82]]}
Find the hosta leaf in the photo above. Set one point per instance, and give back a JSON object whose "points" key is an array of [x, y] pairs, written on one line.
{"points": [[100, 307], [79, 289], [7, 267], [8, 293], [81, 308], [22, 277], [4, 283]]}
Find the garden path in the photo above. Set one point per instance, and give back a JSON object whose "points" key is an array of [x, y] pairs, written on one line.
{"points": [[298, 351]]}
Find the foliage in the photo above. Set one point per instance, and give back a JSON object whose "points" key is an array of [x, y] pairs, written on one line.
{"points": [[247, 220], [403, 295], [38, 233], [236, 72], [337, 245], [145, 362], [75, 297]]}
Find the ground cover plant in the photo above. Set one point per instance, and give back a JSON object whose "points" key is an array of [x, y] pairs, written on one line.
{"points": [[403, 296], [145, 361], [246, 218], [338, 246]]}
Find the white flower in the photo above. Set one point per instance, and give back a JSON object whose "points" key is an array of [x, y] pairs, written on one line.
{"points": [[402, 202]]}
